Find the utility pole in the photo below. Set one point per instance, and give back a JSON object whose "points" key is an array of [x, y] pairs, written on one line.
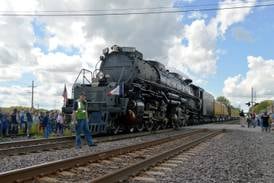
{"points": [[32, 94]]}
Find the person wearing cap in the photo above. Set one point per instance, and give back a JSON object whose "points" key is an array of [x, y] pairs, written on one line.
{"points": [[80, 116]]}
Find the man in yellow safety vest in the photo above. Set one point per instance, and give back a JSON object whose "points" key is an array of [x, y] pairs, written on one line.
{"points": [[80, 116]]}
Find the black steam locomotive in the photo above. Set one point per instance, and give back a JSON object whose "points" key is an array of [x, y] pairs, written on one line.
{"points": [[130, 93]]}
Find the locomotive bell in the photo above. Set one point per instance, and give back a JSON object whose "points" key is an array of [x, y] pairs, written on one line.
{"points": [[105, 51]]}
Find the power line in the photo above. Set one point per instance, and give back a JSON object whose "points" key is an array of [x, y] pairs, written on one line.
{"points": [[176, 6], [133, 13]]}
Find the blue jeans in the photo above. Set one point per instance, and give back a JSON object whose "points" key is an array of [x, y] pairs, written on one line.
{"points": [[1, 129], [46, 131], [29, 124], [82, 126]]}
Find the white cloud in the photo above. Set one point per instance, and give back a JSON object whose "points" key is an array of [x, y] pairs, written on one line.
{"points": [[259, 76], [199, 55], [16, 39], [231, 16], [74, 36]]}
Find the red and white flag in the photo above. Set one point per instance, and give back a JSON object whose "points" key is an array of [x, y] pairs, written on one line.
{"points": [[65, 95], [118, 90]]}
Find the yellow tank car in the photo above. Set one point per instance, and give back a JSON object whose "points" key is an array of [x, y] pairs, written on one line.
{"points": [[217, 110], [234, 113], [220, 111], [225, 111]]}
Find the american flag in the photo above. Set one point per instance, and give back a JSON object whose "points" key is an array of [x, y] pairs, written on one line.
{"points": [[65, 95]]}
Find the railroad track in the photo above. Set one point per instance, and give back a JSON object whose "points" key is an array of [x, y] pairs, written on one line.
{"points": [[41, 145], [112, 165], [236, 121]]}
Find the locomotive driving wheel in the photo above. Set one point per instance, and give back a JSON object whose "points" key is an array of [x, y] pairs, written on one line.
{"points": [[149, 124], [140, 126]]}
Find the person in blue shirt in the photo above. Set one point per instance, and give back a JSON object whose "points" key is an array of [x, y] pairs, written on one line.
{"points": [[29, 122], [13, 124], [5, 125], [46, 125]]}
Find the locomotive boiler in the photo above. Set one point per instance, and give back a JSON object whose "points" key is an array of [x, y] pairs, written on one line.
{"points": [[130, 93]]}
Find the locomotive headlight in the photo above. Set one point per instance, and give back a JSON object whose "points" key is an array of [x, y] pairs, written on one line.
{"points": [[100, 75]]}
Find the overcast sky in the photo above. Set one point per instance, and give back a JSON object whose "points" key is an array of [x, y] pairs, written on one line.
{"points": [[225, 51]]}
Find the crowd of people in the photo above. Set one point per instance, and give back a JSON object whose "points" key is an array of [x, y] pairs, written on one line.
{"points": [[27, 122], [263, 120]]}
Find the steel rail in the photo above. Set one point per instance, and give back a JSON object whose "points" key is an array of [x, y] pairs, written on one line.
{"points": [[127, 172], [32, 142], [58, 139], [33, 172], [64, 142]]}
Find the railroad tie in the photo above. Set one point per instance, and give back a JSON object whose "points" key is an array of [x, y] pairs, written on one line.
{"points": [[66, 174], [157, 173], [168, 165], [106, 162], [175, 161], [47, 180], [85, 169], [160, 168], [182, 159], [144, 179]]}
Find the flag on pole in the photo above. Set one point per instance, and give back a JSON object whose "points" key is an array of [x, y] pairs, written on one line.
{"points": [[65, 95], [118, 90]]}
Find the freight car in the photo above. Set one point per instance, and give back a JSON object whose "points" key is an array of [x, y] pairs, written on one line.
{"points": [[220, 111], [130, 93]]}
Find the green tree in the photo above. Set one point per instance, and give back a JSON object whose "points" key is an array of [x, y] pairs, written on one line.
{"points": [[223, 100], [262, 106]]}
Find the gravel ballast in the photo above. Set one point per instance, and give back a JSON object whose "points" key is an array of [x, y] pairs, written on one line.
{"points": [[15, 162], [242, 155]]}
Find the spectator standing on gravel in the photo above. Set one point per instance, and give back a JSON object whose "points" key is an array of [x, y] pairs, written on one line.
{"points": [[23, 120], [51, 122], [29, 122], [1, 123], [242, 118], [5, 123], [253, 119], [248, 120], [35, 119], [13, 124], [269, 123], [46, 125], [80, 117], [265, 123], [40, 126], [60, 124]]}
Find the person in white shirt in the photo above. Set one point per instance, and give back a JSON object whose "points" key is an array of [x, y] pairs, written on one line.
{"points": [[60, 124]]}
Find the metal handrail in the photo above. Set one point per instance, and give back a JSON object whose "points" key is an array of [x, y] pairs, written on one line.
{"points": [[83, 71]]}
